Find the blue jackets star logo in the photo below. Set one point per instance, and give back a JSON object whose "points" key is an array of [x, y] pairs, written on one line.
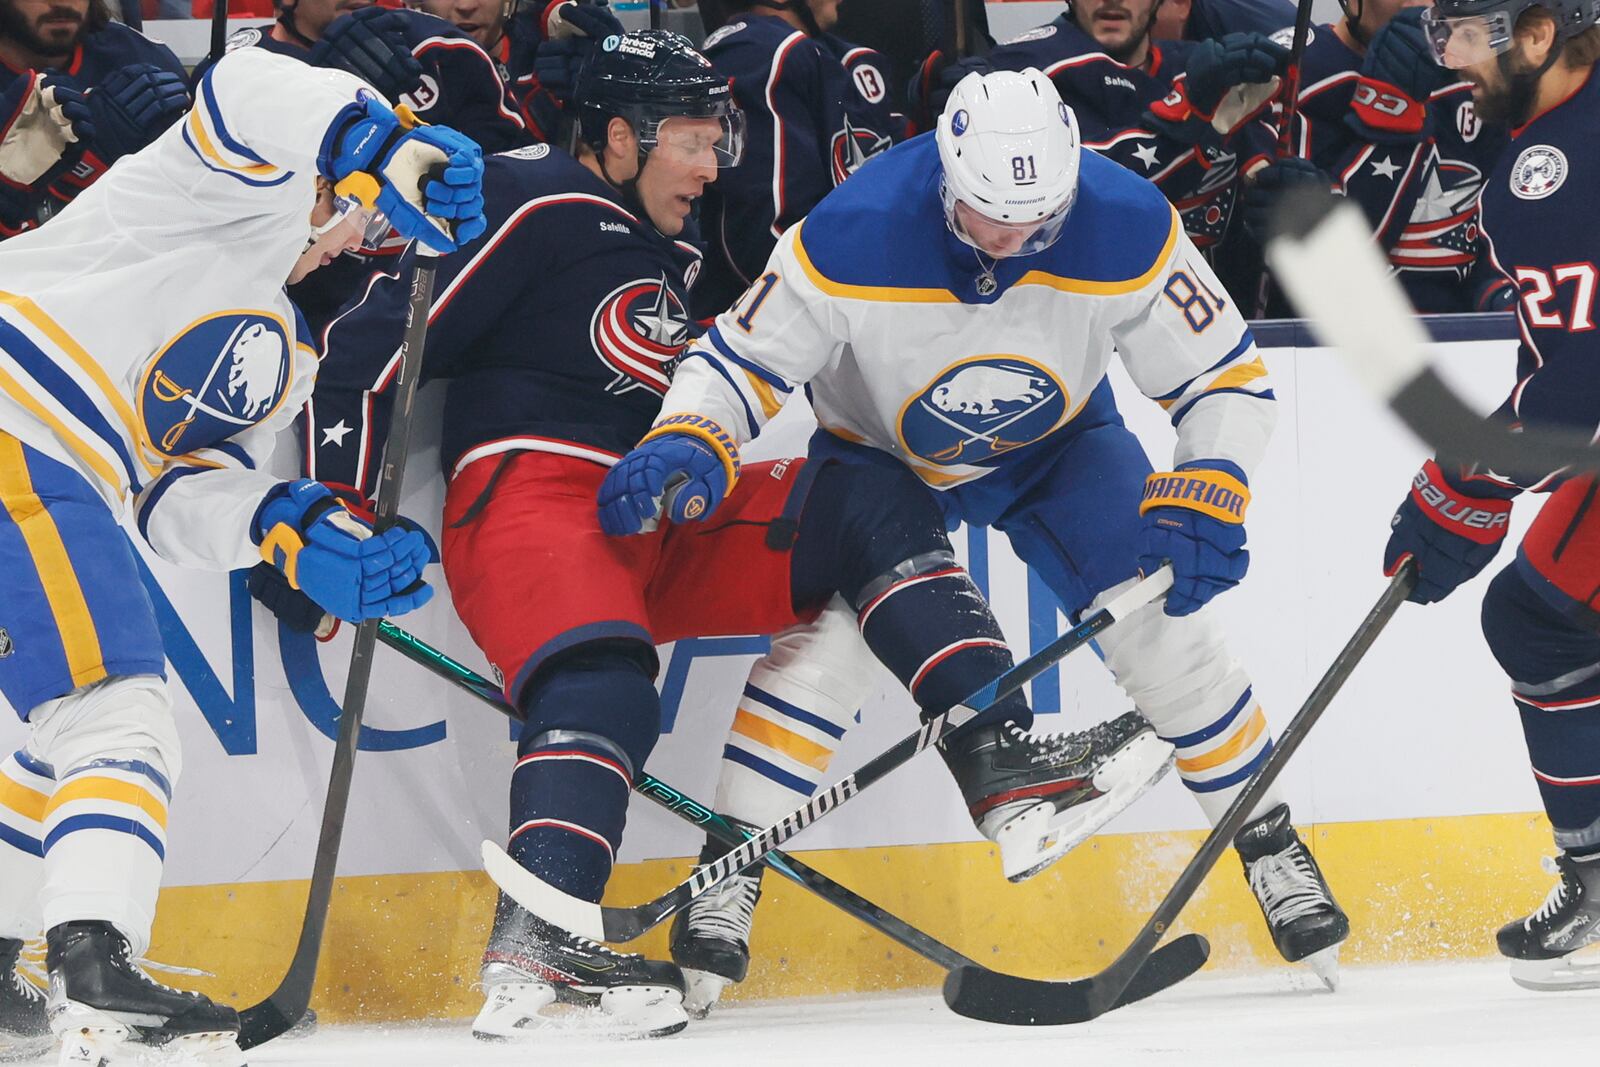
{"points": [[639, 331]]}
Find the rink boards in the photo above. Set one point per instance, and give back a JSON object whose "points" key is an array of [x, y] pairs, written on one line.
{"points": [[1415, 788]]}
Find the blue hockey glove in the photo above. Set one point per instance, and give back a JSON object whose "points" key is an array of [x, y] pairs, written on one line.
{"points": [[134, 106], [47, 118], [1194, 518], [427, 179], [371, 44], [1451, 535], [572, 28], [1217, 65], [687, 464], [1398, 74], [1267, 186], [336, 560]]}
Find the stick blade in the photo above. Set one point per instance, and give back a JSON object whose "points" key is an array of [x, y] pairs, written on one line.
{"points": [[581, 917], [262, 1022], [989, 996]]}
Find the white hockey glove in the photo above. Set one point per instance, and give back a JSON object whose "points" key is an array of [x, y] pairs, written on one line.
{"points": [[46, 117]]}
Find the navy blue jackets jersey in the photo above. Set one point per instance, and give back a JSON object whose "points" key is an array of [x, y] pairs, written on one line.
{"points": [[1110, 99], [1420, 197], [99, 54], [461, 86], [1213, 18], [559, 329], [811, 124], [1541, 218]]}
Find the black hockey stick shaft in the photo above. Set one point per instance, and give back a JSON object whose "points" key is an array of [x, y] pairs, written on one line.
{"points": [[1286, 118], [690, 810], [623, 924], [980, 993], [219, 29], [288, 1003]]}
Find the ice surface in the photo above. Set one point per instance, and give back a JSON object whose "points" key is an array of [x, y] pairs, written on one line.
{"points": [[1456, 1014]]}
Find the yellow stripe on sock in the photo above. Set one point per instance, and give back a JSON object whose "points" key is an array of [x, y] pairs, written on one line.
{"points": [[800, 749], [93, 787], [1235, 745], [56, 574]]}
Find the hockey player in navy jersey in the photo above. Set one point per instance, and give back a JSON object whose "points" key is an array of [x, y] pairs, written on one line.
{"points": [[106, 90], [818, 110], [1531, 64], [951, 311], [560, 331], [1100, 55], [1398, 135], [141, 383]]}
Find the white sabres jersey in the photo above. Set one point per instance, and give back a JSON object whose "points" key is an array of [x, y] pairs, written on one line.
{"points": [[145, 337], [906, 346]]}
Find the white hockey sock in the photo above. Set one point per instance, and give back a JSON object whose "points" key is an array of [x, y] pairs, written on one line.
{"points": [[25, 787]]}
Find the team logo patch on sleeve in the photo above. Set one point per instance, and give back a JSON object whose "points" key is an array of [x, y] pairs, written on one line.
{"points": [[639, 331], [980, 408], [1538, 172], [219, 376]]}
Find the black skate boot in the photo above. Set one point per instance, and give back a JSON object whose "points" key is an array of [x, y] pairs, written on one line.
{"points": [[1541, 946], [24, 1030], [1306, 922], [537, 977], [711, 937], [99, 1000], [1040, 797]]}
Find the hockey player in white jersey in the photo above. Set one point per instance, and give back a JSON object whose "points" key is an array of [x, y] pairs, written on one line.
{"points": [[148, 357], [955, 306]]}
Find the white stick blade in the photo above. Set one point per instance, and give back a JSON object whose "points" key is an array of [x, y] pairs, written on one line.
{"points": [[540, 897], [1140, 593]]}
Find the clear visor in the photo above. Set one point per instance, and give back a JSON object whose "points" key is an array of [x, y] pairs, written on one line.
{"points": [[1002, 240], [714, 139], [1467, 40], [372, 224]]}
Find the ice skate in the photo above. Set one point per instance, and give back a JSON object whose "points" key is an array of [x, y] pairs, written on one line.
{"points": [[1307, 924], [1544, 947], [24, 1029], [1039, 797], [107, 1011], [538, 978], [711, 938]]}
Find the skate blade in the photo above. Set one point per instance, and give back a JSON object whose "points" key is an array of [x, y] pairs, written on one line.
{"points": [[104, 1047], [1325, 965], [701, 991], [1558, 975], [1040, 836], [528, 1011]]}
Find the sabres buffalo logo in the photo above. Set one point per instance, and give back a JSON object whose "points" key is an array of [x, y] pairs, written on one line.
{"points": [[980, 408], [639, 332], [219, 376], [853, 146]]}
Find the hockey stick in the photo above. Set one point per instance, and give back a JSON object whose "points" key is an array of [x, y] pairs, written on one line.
{"points": [[980, 993], [1291, 109], [288, 1003], [1325, 259], [1152, 979], [219, 29], [616, 925]]}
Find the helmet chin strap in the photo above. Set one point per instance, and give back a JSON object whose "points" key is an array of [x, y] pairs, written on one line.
{"points": [[286, 20], [628, 187], [1523, 86]]}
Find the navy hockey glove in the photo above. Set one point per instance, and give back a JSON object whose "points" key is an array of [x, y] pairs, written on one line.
{"points": [[1217, 65], [336, 559], [936, 78], [572, 28], [1452, 536], [427, 179], [1194, 518], [293, 608], [1398, 74], [371, 44], [1267, 186], [43, 119], [134, 106], [685, 465]]}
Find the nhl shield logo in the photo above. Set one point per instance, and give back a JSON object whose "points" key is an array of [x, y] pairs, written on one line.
{"points": [[981, 408], [1538, 172], [6, 645], [221, 375], [639, 331]]}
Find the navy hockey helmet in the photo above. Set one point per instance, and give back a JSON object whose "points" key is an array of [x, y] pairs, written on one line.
{"points": [[648, 78], [1464, 33]]}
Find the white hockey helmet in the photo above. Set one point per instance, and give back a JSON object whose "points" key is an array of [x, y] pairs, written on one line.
{"points": [[1010, 150]]}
